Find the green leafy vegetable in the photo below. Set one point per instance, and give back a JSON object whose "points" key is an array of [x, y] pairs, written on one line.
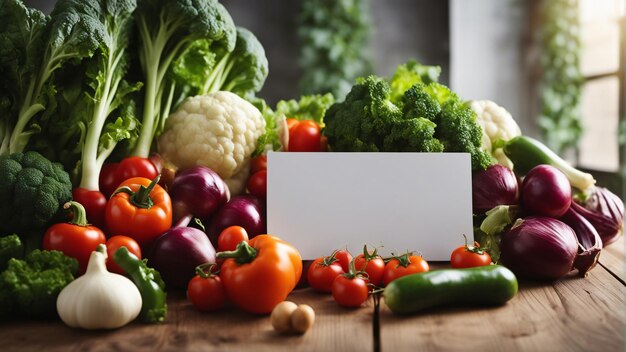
{"points": [[31, 286], [10, 247], [410, 74], [32, 190], [182, 43]]}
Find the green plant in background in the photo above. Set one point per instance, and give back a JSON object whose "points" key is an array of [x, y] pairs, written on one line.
{"points": [[562, 79], [334, 36]]}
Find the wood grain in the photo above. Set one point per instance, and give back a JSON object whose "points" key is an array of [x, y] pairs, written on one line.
{"points": [[613, 258], [186, 329], [573, 314]]}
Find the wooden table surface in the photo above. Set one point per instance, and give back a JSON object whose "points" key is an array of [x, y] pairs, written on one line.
{"points": [[572, 314]]}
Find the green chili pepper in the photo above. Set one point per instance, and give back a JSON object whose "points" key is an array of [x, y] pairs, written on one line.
{"points": [[149, 283]]}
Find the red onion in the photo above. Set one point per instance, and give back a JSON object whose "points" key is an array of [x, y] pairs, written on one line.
{"points": [[495, 186], [546, 191], [589, 242], [605, 211], [539, 248], [197, 191], [246, 211], [177, 253]]}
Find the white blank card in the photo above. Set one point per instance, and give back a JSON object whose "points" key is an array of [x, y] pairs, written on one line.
{"points": [[398, 202]]}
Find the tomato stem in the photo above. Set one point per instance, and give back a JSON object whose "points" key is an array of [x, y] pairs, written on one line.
{"points": [[205, 270], [244, 253], [79, 217]]}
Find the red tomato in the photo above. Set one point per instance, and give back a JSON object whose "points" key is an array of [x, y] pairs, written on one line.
{"points": [[257, 184], [291, 123], [95, 204], [404, 265], [469, 257], [108, 181], [230, 237], [135, 166], [344, 258], [206, 291], [350, 292], [76, 239], [372, 264], [305, 137], [258, 163], [113, 244], [322, 272]]}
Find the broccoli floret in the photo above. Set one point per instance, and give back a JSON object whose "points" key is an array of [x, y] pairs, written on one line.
{"points": [[367, 121], [32, 190], [32, 285], [416, 103], [458, 130], [10, 247]]}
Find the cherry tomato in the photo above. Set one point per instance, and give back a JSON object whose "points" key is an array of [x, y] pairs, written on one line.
{"points": [[108, 181], [469, 257], [372, 264], [95, 204], [113, 244], [206, 291], [230, 237], [305, 137], [350, 292], [257, 184], [322, 272], [135, 166], [404, 265], [75, 239], [258, 163], [344, 258]]}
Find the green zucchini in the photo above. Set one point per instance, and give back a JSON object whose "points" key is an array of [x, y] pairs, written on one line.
{"points": [[526, 153], [486, 285]]}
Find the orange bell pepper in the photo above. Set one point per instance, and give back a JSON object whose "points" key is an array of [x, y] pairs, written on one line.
{"points": [[261, 273]]}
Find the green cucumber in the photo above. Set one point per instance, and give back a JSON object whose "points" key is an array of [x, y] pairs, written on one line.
{"points": [[485, 285], [526, 153]]}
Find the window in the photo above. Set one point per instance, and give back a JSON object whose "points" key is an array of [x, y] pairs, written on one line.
{"points": [[602, 63]]}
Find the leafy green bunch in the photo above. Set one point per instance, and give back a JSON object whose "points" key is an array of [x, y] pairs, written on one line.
{"points": [[409, 113]]}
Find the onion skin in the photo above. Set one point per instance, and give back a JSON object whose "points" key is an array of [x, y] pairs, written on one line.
{"points": [[492, 187], [589, 242], [246, 211], [605, 211], [177, 253], [197, 191], [546, 191], [539, 248]]}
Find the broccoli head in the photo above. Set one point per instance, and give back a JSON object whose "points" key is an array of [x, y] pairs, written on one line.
{"points": [[10, 247], [458, 131], [367, 121], [409, 74], [32, 190], [416, 102], [32, 285]]}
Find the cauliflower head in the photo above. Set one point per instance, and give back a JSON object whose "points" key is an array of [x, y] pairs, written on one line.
{"points": [[218, 130], [498, 127]]}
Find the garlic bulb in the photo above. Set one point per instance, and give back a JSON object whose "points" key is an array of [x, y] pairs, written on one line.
{"points": [[99, 299]]}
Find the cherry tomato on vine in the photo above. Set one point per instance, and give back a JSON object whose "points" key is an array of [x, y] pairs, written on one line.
{"points": [[372, 264], [305, 137], [344, 258], [257, 184], [258, 163], [404, 265], [206, 291], [350, 289], [230, 237], [469, 256], [135, 166], [322, 272], [113, 244]]}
